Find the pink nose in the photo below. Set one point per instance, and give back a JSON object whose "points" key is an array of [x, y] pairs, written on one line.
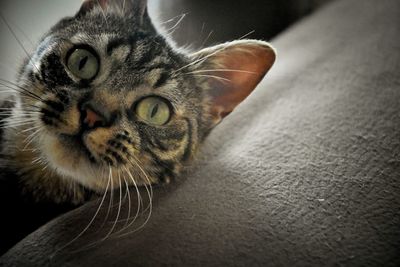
{"points": [[92, 119]]}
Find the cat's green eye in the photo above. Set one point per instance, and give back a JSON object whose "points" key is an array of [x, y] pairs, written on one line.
{"points": [[83, 64], [153, 110]]}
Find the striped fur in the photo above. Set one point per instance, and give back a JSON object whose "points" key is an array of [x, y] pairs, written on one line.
{"points": [[54, 159]]}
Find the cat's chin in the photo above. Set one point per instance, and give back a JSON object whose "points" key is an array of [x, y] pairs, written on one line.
{"points": [[70, 158]]}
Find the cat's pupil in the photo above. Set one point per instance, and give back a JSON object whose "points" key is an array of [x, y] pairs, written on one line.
{"points": [[154, 111], [82, 63]]}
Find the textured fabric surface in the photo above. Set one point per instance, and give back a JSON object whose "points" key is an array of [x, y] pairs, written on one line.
{"points": [[304, 173]]}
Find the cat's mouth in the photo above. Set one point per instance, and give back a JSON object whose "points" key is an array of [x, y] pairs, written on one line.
{"points": [[77, 141]]}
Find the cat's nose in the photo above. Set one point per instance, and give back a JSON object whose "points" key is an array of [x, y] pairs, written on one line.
{"points": [[93, 116]]}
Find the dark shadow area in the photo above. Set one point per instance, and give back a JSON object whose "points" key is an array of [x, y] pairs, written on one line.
{"points": [[209, 22], [21, 216]]}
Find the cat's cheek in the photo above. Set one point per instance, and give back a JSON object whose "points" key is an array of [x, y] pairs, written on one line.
{"points": [[71, 163], [60, 155], [60, 118]]}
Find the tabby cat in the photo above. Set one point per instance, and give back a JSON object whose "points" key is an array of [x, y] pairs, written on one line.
{"points": [[106, 101]]}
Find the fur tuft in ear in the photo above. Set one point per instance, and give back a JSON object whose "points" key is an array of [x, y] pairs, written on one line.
{"points": [[234, 70]]}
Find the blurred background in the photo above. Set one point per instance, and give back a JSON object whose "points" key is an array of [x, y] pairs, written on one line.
{"points": [[205, 22], [190, 23]]}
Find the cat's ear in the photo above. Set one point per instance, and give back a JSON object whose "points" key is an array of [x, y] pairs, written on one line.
{"points": [[136, 7], [89, 5], [233, 71]]}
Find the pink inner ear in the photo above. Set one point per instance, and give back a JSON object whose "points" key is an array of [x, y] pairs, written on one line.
{"points": [[103, 3], [241, 67]]}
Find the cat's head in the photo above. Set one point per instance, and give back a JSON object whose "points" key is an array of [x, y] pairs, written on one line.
{"points": [[112, 98]]}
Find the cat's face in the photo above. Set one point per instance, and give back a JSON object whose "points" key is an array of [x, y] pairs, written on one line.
{"points": [[114, 99]]}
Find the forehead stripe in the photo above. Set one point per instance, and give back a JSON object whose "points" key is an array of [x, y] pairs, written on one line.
{"points": [[162, 79]]}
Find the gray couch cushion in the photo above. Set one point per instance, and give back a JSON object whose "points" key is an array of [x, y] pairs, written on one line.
{"points": [[306, 172]]}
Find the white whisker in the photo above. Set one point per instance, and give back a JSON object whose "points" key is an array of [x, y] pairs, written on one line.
{"points": [[213, 77], [31, 138], [110, 203], [221, 70], [129, 202], [150, 205], [206, 39], [247, 34], [91, 221], [118, 212], [139, 203], [175, 26], [199, 60]]}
